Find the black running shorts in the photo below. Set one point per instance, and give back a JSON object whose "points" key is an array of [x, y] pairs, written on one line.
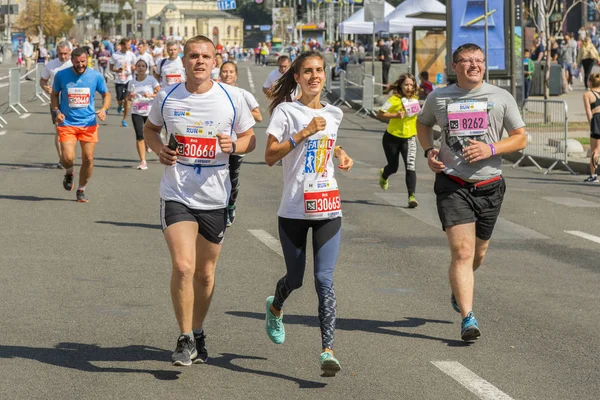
{"points": [[459, 205], [121, 89], [211, 223]]}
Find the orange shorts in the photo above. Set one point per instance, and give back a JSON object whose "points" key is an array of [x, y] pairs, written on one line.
{"points": [[75, 133]]}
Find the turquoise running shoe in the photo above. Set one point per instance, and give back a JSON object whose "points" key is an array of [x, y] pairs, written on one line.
{"points": [[469, 329], [329, 364], [274, 325], [454, 303]]}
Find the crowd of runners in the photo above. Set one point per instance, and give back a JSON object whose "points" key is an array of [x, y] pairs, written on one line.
{"points": [[200, 125]]}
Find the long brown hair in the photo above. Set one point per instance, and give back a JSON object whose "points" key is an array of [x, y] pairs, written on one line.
{"points": [[397, 86], [285, 86]]}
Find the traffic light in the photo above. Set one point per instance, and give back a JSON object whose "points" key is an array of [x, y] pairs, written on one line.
{"points": [[299, 11]]}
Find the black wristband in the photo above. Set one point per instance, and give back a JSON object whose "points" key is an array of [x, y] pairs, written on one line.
{"points": [[233, 147], [428, 150]]}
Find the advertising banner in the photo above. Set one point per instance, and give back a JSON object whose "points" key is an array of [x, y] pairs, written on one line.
{"points": [[429, 44], [466, 20]]}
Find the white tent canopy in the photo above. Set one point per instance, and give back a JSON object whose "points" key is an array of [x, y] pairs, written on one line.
{"points": [[398, 22], [356, 24]]}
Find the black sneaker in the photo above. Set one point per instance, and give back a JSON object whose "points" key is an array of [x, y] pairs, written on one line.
{"points": [[185, 351], [68, 181], [81, 197], [201, 349]]}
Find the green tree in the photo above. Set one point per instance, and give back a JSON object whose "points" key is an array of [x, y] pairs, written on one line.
{"points": [[56, 20]]}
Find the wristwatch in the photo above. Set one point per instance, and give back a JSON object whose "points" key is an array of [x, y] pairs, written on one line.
{"points": [[427, 151]]}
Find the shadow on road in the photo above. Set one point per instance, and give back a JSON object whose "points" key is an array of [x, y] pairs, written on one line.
{"points": [[80, 356], [225, 361], [367, 203], [129, 224], [30, 198], [364, 325]]}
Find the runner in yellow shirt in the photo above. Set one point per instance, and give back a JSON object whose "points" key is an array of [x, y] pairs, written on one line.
{"points": [[401, 109]]}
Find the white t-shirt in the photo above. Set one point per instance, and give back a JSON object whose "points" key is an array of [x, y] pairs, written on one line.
{"points": [[311, 160], [53, 67], [141, 105], [273, 77], [149, 61], [125, 61], [157, 53], [214, 73], [250, 99], [170, 72], [200, 117]]}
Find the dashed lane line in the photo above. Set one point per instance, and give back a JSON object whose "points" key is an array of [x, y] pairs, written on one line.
{"points": [[477, 385], [585, 236], [267, 239], [250, 81], [571, 202], [26, 115], [2, 133]]}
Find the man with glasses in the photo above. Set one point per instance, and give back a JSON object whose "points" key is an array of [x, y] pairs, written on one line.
{"points": [[469, 186], [283, 64], [62, 61]]}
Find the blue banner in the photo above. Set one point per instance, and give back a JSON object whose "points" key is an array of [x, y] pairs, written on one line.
{"points": [[468, 26]]}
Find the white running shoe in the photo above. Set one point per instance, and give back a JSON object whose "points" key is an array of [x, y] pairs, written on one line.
{"points": [[143, 166]]}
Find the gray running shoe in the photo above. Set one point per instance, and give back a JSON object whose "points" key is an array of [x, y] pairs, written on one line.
{"points": [[185, 351], [68, 181]]}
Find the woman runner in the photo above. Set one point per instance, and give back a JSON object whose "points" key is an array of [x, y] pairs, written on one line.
{"points": [[303, 133], [142, 90], [591, 102], [228, 75], [399, 138]]}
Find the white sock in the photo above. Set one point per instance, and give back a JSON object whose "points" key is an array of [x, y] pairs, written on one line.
{"points": [[81, 188]]}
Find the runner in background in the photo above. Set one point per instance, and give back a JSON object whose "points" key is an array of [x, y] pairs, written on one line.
{"points": [[214, 74], [229, 75], [169, 71], [72, 102], [469, 186], [143, 54], [62, 61], [141, 91], [399, 138], [201, 115], [122, 63], [303, 133], [591, 103]]}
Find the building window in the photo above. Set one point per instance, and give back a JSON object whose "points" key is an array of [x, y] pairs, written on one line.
{"points": [[152, 32], [170, 31], [118, 30], [229, 31], [129, 29], [193, 31], [237, 29], [185, 31], [140, 15]]}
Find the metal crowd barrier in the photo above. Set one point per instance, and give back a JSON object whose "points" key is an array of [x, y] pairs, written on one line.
{"points": [[328, 79], [342, 99], [368, 98], [14, 90], [547, 124], [39, 92]]}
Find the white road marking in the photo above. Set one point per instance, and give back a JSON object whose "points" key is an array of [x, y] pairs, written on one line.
{"points": [[25, 115], [572, 202], [585, 236], [479, 386], [267, 239], [250, 81], [427, 212], [2, 133]]}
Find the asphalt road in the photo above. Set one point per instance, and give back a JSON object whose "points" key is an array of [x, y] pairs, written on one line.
{"points": [[86, 311]]}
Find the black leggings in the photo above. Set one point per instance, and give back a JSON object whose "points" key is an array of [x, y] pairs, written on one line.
{"points": [[138, 125], [393, 146], [588, 64], [326, 237], [235, 163]]}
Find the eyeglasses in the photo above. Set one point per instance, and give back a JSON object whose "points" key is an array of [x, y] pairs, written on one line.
{"points": [[476, 61]]}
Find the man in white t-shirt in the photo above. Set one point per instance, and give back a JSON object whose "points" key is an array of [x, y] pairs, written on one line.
{"points": [[170, 71], [200, 117], [62, 61], [283, 64], [157, 51], [122, 64], [143, 54]]}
